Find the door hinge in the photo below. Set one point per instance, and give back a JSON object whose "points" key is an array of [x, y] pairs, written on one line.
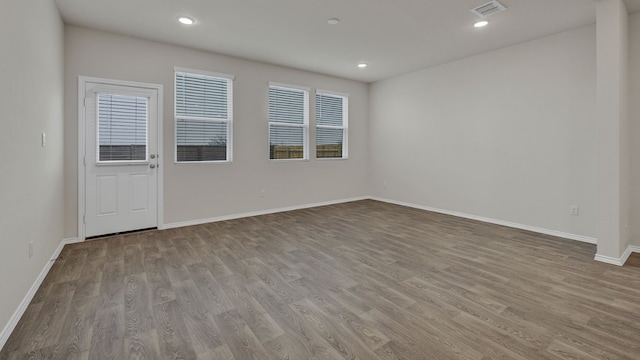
{"points": [[84, 160], [84, 219], [85, 102]]}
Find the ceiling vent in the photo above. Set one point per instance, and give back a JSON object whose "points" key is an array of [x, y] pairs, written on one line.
{"points": [[489, 9]]}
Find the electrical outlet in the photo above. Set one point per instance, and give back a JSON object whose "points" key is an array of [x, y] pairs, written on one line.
{"points": [[263, 193], [574, 210], [30, 248], [44, 139]]}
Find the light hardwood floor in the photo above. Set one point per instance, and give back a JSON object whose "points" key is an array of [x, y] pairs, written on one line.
{"points": [[363, 280]]}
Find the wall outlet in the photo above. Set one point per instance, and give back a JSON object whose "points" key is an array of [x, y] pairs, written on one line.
{"points": [[263, 193], [44, 139], [30, 248], [574, 210]]}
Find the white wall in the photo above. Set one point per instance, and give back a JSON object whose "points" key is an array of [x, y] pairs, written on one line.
{"points": [[202, 191], [612, 129], [31, 99], [506, 135]]}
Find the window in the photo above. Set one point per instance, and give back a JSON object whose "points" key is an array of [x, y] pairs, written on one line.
{"points": [[332, 112], [122, 128], [288, 122], [204, 116]]}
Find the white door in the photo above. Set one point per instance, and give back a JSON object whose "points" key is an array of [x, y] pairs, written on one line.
{"points": [[121, 158]]}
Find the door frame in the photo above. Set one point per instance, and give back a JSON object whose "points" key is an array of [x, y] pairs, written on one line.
{"points": [[82, 89]]}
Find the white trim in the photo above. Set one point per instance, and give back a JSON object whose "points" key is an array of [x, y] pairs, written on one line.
{"points": [[331, 93], [203, 72], [228, 120], [82, 89], [261, 212], [561, 234], [330, 158], [344, 127], [304, 125], [611, 260], [15, 318], [69, 241], [621, 260], [160, 158], [289, 160], [289, 86], [539, 230]]}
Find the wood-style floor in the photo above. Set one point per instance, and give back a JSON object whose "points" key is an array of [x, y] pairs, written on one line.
{"points": [[363, 280]]}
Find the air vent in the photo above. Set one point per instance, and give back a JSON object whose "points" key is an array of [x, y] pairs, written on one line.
{"points": [[489, 9]]}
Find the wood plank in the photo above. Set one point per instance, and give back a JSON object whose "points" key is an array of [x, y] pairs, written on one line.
{"points": [[77, 331], [159, 283], [215, 300], [107, 339], [138, 305], [112, 284], [241, 341], [142, 346], [51, 317], [133, 263], [249, 308], [204, 334], [172, 332]]}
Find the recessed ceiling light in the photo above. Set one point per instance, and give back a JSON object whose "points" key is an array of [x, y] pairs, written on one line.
{"points": [[186, 20], [480, 24], [362, 65], [333, 21]]}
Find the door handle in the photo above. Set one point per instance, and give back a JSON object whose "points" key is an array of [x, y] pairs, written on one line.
{"points": [[153, 166]]}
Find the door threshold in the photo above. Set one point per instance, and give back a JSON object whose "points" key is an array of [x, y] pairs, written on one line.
{"points": [[120, 233]]}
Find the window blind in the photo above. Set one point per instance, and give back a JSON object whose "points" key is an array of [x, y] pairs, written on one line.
{"points": [[203, 117], [331, 126], [122, 127], [201, 96], [288, 122]]}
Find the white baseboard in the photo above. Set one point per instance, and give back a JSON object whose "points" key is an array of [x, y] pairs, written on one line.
{"points": [[260, 212], [561, 234], [622, 259], [8, 329]]}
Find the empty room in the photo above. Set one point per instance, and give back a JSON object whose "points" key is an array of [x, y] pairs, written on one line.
{"points": [[291, 179]]}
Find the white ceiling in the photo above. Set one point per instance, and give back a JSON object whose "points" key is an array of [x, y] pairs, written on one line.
{"points": [[392, 36]]}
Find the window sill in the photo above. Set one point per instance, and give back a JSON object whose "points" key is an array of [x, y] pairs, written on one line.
{"points": [[202, 162], [332, 159], [288, 160]]}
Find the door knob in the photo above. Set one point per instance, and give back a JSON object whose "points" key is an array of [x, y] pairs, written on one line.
{"points": [[152, 166]]}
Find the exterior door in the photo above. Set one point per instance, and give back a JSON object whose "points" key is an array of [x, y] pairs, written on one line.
{"points": [[121, 158]]}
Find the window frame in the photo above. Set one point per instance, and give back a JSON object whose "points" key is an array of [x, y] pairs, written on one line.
{"points": [[305, 125], [344, 127], [229, 121], [100, 163]]}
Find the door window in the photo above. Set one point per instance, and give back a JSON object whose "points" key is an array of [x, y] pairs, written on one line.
{"points": [[122, 128]]}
